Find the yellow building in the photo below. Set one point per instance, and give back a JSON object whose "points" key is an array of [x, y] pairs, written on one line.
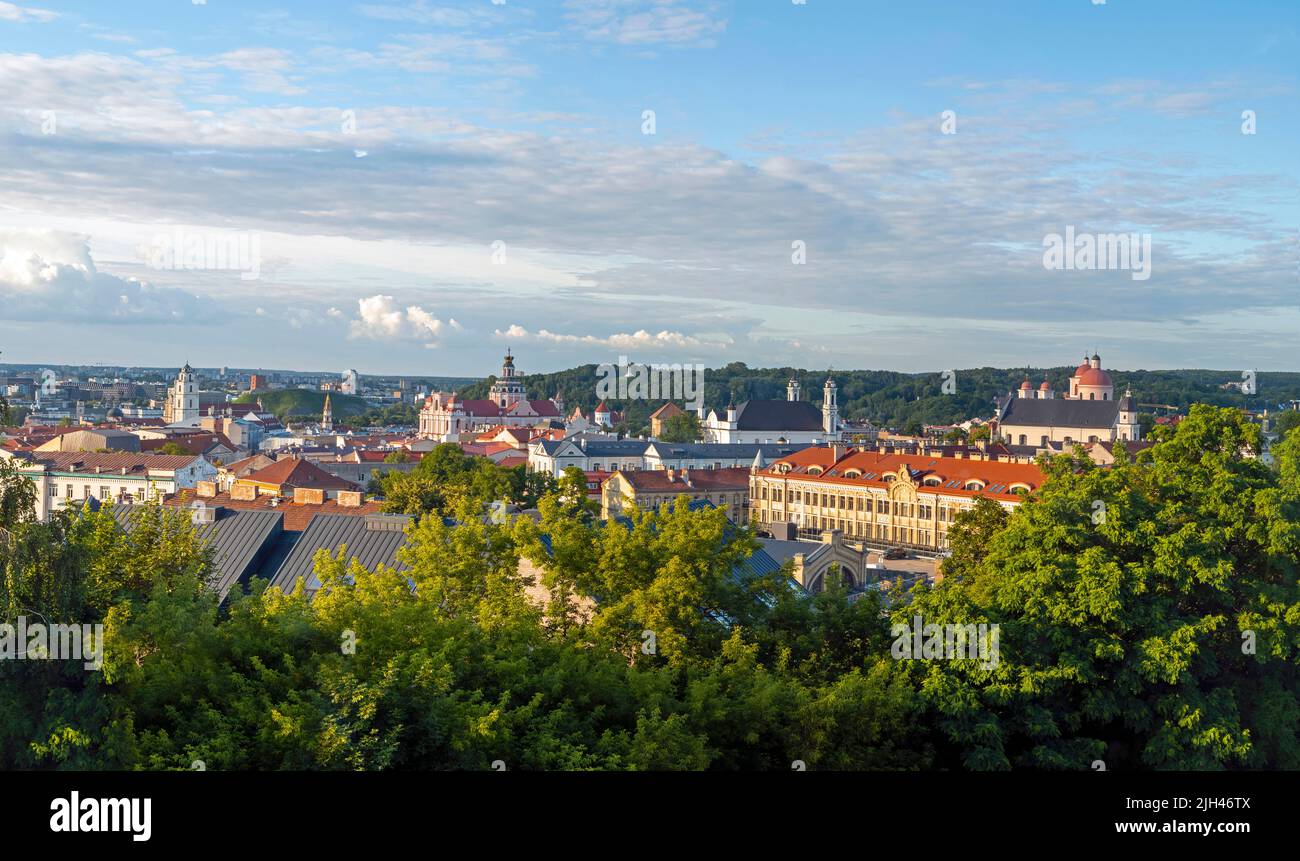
{"points": [[726, 488], [881, 499]]}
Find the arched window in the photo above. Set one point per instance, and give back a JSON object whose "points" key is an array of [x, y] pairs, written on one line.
{"points": [[1092, 396], [1023, 439]]}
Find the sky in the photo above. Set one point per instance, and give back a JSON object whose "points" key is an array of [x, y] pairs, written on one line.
{"points": [[413, 187]]}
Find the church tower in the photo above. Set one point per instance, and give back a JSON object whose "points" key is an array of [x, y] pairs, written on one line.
{"points": [[831, 410], [508, 389], [327, 417], [1126, 425], [792, 390], [182, 407]]}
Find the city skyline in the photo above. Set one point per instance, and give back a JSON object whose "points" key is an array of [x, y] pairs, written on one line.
{"points": [[427, 184]]}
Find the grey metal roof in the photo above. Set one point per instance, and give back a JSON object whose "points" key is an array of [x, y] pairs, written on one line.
{"points": [[598, 447], [372, 540], [745, 450], [778, 416], [1061, 412], [783, 551], [240, 540]]}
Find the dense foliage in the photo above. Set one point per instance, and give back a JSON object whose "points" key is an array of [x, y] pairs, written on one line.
{"points": [[1164, 633], [902, 401]]}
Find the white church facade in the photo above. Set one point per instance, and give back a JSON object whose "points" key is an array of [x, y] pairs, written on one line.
{"points": [[1087, 411], [790, 421]]}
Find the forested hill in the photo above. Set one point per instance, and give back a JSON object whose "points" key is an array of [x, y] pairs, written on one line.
{"points": [[302, 402], [897, 400]]}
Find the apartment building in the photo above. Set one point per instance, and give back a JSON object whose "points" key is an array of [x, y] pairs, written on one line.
{"points": [[878, 498]]}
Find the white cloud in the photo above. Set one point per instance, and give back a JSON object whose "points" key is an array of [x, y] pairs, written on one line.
{"points": [[49, 275], [10, 12], [381, 318], [647, 22], [638, 340]]}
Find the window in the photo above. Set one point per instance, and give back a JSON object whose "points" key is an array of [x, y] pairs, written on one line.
{"points": [[54, 491], [85, 491], [69, 492], [104, 492]]}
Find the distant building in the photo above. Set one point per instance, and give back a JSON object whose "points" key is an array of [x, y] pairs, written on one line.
{"points": [[659, 418], [727, 489], [446, 417], [182, 406], [1088, 412], [878, 498], [789, 421], [93, 439], [290, 477], [72, 478]]}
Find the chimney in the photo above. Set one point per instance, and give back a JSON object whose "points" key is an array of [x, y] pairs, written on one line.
{"points": [[308, 496], [205, 489], [686, 476], [243, 491], [672, 474], [350, 499], [837, 452]]}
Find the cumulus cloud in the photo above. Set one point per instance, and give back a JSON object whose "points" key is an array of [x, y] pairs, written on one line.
{"points": [[50, 275], [380, 318], [640, 339]]}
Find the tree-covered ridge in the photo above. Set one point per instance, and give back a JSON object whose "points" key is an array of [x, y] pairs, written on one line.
{"points": [[898, 400], [1149, 617], [304, 403]]}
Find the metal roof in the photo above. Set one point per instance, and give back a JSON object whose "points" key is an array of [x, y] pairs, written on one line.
{"points": [[372, 540], [1061, 412], [240, 540]]}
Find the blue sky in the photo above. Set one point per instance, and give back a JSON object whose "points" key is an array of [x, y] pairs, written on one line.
{"points": [[429, 182]]}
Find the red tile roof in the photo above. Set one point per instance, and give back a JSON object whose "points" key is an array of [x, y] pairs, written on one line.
{"points": [[114, 461], [920, 467], [296, 472], [688, 480], [249, 464]]}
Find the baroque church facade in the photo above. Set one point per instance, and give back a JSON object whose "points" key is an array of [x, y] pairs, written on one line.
{"points": [[790, 421], [445, 416], [1087, 411]]}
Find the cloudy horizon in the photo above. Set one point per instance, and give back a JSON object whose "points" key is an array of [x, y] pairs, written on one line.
{"points": [[429, 183]]}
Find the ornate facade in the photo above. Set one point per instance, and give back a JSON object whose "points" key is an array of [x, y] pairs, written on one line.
{"points": [[445, 416], [1087, 412], [878, 498]]}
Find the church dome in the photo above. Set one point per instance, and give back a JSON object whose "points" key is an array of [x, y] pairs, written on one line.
{"points": [[1094, 377], [1026, 385], [1079, 371], [1045, 386]]}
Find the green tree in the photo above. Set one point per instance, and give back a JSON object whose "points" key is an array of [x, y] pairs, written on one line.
{"points": [[1147, 612], [681, 428]]}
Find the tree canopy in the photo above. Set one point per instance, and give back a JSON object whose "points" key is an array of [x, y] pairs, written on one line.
{"points": [[1149, 617]]}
